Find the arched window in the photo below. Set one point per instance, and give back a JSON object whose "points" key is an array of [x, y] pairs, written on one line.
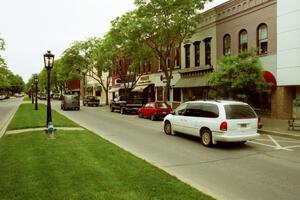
{"points": [[243, 40], [262, 39], [226, 45]]}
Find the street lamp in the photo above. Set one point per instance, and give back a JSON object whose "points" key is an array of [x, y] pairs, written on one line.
{"points": [[32, 93], [48, 62], [36, 91]]}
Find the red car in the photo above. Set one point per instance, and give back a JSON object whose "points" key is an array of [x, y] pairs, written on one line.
{"points": [[155, 110]]}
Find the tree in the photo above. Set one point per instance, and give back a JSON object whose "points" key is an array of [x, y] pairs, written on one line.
{"points": [[163, 25], [2, 61], [239, 76], [122, 44]]}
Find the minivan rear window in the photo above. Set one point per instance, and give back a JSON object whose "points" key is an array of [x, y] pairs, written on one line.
{"points": [[239, 112]]}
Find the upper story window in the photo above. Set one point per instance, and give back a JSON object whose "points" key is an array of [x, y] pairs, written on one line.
{"points": [[159, 64], [243, 40], [187, 55], [197, 53], [207, 42], [262, 39], [226, 45], [177, 57]]}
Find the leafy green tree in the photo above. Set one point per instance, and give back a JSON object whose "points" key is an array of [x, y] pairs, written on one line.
{"points": [[238, 76], [2, 61], [163, 25], [122, 44]]}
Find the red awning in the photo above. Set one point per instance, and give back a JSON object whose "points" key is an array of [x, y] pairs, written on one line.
{"points": [[269, 78]]}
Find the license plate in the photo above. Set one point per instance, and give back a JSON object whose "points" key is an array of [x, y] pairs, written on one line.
{"points": [[164, 112], [243, 125]]}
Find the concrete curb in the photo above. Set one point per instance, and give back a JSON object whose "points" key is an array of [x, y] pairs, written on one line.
{"points": [[42, 129], [3, 130], [276, 133]]}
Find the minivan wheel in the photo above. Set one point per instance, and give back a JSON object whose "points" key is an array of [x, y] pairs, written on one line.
{"points": [[122, 111], [153, 117], [206, 138]]}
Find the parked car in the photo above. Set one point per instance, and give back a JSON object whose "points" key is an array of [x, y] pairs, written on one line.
{"points": [[42, 97], [214, 121], [91, 101], [70, 102], [126, 104], [19, 94], [155, 110], [2, 97], [56, 96]]}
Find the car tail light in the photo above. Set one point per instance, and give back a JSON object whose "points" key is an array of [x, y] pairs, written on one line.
{"points": [[223, 126]]}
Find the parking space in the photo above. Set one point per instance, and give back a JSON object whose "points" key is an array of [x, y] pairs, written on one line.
{"points": [[277, 143]]}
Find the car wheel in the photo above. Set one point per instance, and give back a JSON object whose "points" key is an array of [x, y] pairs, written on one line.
{"points": [[111, 109], [206, 138], [122, 111], [140, 115], [153, 117], [168, 128]]}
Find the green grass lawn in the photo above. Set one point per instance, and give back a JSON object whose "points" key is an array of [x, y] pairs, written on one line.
{"points": [[26, 98], [27, 117], [81, 165]]}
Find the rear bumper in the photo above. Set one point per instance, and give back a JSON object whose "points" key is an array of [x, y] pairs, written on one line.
{"points": [[224, 137]]}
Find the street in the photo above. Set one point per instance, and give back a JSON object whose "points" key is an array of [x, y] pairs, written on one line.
{"points": [[7, 107], [267, 168]]}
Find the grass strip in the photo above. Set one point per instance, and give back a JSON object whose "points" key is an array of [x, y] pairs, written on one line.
{"points": [[26, 98], [27, 117], [81, 165]]}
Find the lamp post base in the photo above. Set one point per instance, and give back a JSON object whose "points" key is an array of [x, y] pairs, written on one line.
{"points": [[51, 136]]}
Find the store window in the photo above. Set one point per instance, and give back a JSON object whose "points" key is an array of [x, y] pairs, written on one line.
{"points": [[226, 45], [197, 53], [159, 93], [262, 39], [243, 40], [176, 94]]}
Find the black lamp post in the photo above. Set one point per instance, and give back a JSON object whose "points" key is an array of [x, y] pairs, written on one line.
{"points": [[32, 93], [49, 61], [36, 91]]}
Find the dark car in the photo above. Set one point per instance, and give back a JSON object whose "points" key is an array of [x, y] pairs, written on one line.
{"points": [[70, 102], [155, 110], [91, 101]]}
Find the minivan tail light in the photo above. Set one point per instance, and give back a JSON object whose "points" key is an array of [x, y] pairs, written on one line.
{"points": [[223, 126]]}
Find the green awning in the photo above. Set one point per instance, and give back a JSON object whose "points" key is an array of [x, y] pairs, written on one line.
{"points": [[193, 81]]}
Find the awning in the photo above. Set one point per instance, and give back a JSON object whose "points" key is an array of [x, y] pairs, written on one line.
{"points": [[114, 89], [197, 81], [269, 78], [139, 88]]}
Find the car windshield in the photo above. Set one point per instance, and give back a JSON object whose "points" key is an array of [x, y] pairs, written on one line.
{"points": [[239, 112], [162, 105]]}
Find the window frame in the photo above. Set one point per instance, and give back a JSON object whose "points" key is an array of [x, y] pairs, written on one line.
{"points": [[260, 41], [187, 56], [226, 50], [197, 53], [241, 45]]}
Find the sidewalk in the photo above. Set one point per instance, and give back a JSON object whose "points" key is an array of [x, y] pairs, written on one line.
{"points": [[278, 127]]}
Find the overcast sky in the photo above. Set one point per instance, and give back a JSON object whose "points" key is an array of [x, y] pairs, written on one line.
{"points": [[31, 27]]}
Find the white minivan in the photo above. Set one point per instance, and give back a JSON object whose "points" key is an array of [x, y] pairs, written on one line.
{"points": [[214, 121]]}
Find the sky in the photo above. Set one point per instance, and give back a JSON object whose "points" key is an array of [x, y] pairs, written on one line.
{"points": [[31, 27]]}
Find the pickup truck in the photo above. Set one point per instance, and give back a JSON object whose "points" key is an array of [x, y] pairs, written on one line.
{"points": [[126, 104], [91, 101]]}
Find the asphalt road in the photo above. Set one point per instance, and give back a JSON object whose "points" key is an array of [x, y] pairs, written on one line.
{"points": [[7, 107], [267, 168]]}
